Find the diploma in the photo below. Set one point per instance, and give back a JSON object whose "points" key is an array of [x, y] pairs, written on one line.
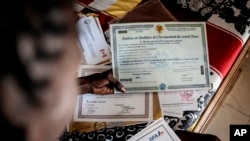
{"points": [[114, 107], [160, 56]]}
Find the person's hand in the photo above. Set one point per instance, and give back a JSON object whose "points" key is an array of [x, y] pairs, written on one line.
{"points": [[100, 83]]}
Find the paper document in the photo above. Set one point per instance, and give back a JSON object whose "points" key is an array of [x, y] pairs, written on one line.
{"points": [[160, 56], [158, 130], [85, 70], [92, 41], [113, 107], [174, 103]]}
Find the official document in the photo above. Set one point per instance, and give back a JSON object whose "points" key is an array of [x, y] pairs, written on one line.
{"points": [[160, 56], [92, 41], [114, 107], [174, 103]]}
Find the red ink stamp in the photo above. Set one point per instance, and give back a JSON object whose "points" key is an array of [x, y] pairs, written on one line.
{"points": [[187, 95]]}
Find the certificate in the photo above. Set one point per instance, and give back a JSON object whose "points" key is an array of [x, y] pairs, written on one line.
{"points": [[160, 56], [115, 107]]}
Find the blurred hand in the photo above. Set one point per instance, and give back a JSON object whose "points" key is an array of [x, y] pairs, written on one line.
{"points": [[100, 83]]}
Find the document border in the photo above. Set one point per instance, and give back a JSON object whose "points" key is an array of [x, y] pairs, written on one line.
{"points": [[201, 25], [146, 115]]}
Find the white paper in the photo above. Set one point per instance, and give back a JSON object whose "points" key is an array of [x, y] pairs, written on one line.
{"points": [[93, 43], [174, 103], [158, 130], [113, 107], [84, 70], [160, 56]]}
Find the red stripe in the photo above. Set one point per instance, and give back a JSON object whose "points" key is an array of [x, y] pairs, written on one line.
{"points": [[223, 48], [216, 71]]}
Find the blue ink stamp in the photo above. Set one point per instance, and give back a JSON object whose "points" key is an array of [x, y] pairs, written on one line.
{"points": [[160, 59], [87, 21], [163, 86]]}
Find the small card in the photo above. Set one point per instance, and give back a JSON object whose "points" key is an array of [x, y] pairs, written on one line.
{"points": [[95, 48], [158, 130], [174, 103]]}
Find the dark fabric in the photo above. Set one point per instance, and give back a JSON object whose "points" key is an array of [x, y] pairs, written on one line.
{"points": [[236, 12], [182, 10], [190, 136]]}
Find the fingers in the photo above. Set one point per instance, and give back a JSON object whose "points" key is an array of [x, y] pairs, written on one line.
{"points": [[82, 80], [88, 88], [98, 79], [101, 83], [85, 88], [103, 90], [118, 85]]}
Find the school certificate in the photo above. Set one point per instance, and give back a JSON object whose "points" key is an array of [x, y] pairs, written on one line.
{"points": [[112, 107], [160, 56]]}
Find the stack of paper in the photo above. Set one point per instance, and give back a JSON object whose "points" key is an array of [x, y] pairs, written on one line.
{"points": [[166, 58], [170, 58], [93, 111]]}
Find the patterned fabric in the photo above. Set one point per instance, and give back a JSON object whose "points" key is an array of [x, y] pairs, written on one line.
{"points": [[110, 134], [116, 8], [232, 11]]}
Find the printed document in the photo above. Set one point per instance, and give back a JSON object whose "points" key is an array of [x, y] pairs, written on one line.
{"points": [[160, 56], [174, 103], [92, 41], [158, 130], [113, 107]]}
